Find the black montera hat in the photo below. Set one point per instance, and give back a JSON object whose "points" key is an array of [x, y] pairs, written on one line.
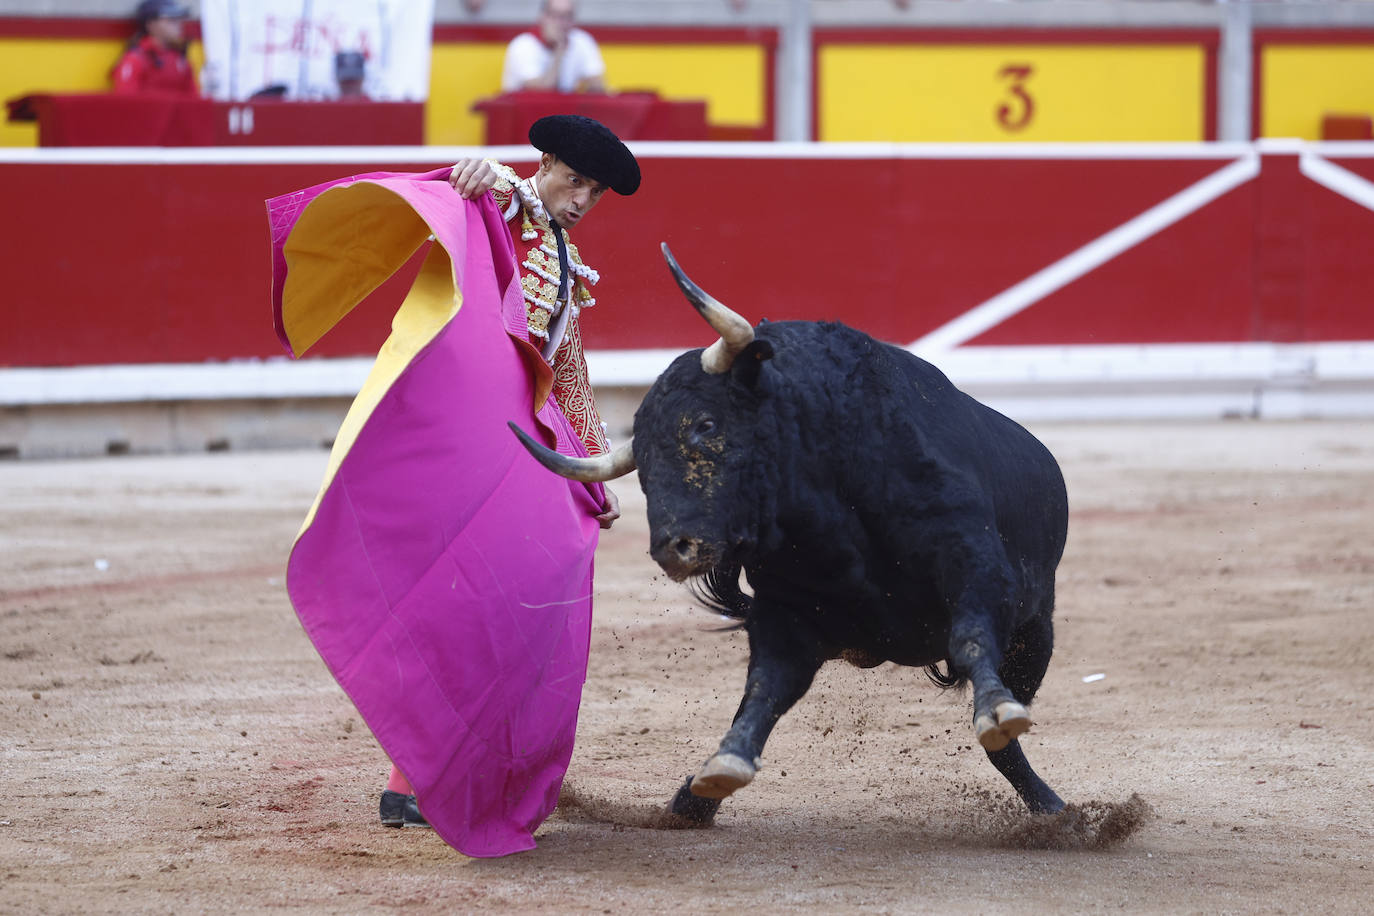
{"points": [[589, 147]]}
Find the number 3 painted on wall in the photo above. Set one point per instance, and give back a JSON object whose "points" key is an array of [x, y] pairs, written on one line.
{"points": [[1016, 115]]}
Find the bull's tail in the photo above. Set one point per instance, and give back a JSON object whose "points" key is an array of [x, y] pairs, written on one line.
{"points": [[719, 590], [944, 679]]}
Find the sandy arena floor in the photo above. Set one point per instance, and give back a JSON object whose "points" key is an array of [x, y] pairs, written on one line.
{"points": [[172, 744]]}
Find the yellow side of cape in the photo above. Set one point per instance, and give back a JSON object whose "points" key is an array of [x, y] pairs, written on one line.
{"points": [[346, 243]]}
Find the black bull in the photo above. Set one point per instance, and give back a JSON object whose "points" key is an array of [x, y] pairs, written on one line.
{"points": [[877, 512]]}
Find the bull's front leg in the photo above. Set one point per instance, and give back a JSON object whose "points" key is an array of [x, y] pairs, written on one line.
{"points": [[782, 664]]}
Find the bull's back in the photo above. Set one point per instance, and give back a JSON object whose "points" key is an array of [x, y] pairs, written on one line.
{"points": [[902, 446], [880, 386], [925, 417], [1015, 469]]}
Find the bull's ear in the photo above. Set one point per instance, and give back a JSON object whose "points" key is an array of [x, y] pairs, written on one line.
{"points": [[750, 362]]}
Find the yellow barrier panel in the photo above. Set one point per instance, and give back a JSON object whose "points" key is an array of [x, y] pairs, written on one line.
{"points": [[732, 78], [460, 73], [34, 65], [1009, 92], [38, 65], [1300, 83]]}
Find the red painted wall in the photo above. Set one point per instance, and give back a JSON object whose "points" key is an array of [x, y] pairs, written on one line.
{"points": [[1337, 269], [133, 263]]}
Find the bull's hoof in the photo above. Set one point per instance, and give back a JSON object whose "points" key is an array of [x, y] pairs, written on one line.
{"points": [[1011, 722], [722, 775], [692, 810], [1045, 802]]}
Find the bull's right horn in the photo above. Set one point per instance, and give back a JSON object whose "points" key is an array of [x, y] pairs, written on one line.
{"points": [[588, 470], [735, 332]]}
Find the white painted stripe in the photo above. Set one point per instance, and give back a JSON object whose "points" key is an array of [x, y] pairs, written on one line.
{"points": [[1279, 146], [1343, 181], [1117, 363], [433, 156], [630, 367], [970, 151], [1004, 368], [242, 379], [1342, 149], [1088, 258], [447, 155]]}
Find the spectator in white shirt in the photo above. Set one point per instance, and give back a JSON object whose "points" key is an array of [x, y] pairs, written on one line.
{"points": [[556, 56]]}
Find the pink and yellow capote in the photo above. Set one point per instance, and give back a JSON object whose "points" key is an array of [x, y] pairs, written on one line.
{"points": [[444, 577]]}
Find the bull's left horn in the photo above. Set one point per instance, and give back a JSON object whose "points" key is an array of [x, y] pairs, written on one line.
{"points": [[735, 332], [588, 470]]}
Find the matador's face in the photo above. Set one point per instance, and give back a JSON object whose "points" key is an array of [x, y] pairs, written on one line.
{"points": [[568, 195]]}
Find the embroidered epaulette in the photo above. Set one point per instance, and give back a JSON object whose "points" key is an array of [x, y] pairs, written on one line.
{"points": [[504, 189]]}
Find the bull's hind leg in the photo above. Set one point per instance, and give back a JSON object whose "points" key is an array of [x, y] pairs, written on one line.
{"points": [[984, 649], [782, 666], [1022, 670], [979, 627]]}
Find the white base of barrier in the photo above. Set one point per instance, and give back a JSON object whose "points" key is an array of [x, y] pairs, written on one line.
{"points": [[49, 412], [1169, 381], [1181, 374]]}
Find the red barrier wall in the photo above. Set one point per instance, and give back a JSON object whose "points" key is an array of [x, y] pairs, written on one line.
{"points": [[148, 261]]}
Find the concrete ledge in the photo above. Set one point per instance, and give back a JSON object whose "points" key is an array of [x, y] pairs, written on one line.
{"points": [[153, 427]]}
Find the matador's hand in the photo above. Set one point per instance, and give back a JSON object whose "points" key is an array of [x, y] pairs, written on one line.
{"points": [[472, 177], [611, 510]]}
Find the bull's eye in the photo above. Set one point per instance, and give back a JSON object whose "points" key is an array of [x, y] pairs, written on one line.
{"points": [[706, 427]]}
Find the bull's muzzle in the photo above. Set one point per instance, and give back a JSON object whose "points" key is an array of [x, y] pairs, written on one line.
{"points": [[681, 556]]}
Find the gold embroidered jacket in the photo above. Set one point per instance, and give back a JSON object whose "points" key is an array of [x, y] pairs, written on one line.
{"points": [[553, 322]]}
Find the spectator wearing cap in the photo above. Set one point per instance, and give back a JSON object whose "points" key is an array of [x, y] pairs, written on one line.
{"points": [[155, 57], [580, 160], [350, 69], [556, 55]]}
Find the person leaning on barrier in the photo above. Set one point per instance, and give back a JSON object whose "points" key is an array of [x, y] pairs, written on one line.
{"points": [[155, 58], [555, 56]]}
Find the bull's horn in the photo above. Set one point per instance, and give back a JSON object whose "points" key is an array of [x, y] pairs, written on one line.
{"points": [[735, 332], [588, 470]]}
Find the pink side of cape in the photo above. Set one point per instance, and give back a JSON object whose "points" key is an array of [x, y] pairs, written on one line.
{"points": [[446, 578]]}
